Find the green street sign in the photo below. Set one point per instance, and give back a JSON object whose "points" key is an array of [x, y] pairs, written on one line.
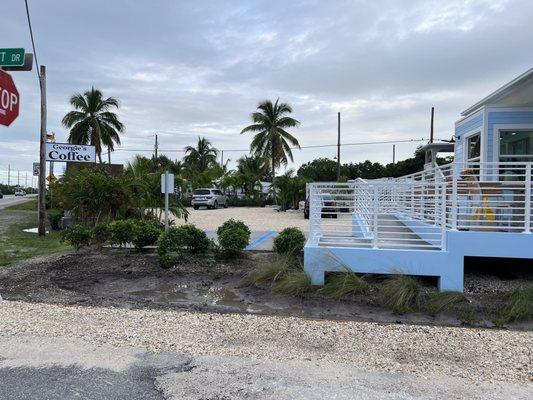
{"points": [[11, 57]]}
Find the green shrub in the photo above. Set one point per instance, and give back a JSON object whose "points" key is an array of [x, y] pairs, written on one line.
{"points": [[435, 302], [344, 284], [232, 224], [186, 237], [233, 241], [468, 317], [146, 233], [77, 236], [289, 241], [401, 293], [122, 231], [100, 233], [296, 282], [247, 202], [54, 217], [519, 306], [274, 271]]}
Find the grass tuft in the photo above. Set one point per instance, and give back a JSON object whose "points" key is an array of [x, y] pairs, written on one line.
{"points": [[296, 282], [468, 318], [401, 293], [344, 284], [30, 205], [274, 271], [519, 306], [435, 302]]}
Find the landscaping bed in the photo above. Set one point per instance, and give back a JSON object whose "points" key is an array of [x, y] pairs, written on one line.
{"points": [[204, 282]]}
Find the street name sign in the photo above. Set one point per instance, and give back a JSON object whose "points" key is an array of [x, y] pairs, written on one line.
{"points": [[9, 99], [11, 57], [66, 152]]}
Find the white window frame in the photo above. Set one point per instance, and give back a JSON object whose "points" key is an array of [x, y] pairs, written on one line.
{"points": [[466, 137], [506, 127]]}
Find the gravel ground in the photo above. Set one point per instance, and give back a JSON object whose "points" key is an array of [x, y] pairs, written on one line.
{"points": [[257, 218], [473, 354]]}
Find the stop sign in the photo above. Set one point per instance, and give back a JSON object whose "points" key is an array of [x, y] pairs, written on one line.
{"points": [[9, 99]]}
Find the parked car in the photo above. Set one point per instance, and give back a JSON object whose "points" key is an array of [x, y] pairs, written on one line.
{"points": [[328, 209], [1, 195], [20, 192], [210, 198]]}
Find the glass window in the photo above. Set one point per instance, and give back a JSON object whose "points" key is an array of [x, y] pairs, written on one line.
{"points": [[473, 145], [201, 192], [516, 145]]}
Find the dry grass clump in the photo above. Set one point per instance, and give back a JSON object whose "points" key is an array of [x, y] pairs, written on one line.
{"points": [[402, 293], [296, 282], [273, 271], [344, 284], [435, 302], [519, 306]]}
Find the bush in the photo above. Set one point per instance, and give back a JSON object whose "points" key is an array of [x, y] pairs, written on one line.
{"points": [[54, 217], [289, 241], [122, 231], [233, 241], [233, 224], [245, 202], [344, 284], [100, 233], [77, 236], [146, 233], [401, 293], [186, 236]]}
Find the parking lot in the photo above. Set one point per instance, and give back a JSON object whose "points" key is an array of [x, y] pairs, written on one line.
{"points": [[264, 222]]}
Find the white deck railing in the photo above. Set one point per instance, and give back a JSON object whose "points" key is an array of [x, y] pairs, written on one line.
{"points": [[414, 211]]}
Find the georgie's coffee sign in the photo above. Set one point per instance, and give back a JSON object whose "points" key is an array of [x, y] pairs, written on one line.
{"points": [[65, 152]]}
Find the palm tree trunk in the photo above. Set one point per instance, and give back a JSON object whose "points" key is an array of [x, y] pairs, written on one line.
{"points": [[273, 168], [100, 157], [109, 156]]}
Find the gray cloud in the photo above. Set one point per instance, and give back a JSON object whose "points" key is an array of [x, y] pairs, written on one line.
{"points": [[200, 68]]}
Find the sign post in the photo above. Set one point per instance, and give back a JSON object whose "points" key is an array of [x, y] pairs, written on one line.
{"points": [[42, 159], [167, 186]]}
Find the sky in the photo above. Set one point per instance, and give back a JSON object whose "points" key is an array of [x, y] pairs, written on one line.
{"points": [[188, 69]]}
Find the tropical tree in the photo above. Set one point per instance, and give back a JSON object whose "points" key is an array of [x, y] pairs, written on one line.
{"points": [[250, 171], [201, 157], [271, 140], [91, 122]]}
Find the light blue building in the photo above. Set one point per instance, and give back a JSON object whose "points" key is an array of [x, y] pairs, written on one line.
{"points": [[428, 222]]}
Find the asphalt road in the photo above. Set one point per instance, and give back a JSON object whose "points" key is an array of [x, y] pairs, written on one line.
{"points": [[10, 199], [46, 368]]}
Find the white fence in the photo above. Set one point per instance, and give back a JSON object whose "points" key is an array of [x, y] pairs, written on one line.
{"points": [[413, 212]]}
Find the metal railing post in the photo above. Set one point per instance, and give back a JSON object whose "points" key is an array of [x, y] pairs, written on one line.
{"points": [[454, 197], [443, 216], [376, 212], [527, 203]]}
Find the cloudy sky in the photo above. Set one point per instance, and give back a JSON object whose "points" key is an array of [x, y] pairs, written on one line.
{"points": [[184, 69]]}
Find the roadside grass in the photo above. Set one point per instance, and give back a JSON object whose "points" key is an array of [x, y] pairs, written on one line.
{"points": [[344, 284], [273, 271], [296, 282], [30, 205], [402, 293], [519, 307], [435, 302], [16, 245]]}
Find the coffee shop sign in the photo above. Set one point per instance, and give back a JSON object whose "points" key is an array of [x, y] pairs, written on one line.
{"points": [[65, 152]]}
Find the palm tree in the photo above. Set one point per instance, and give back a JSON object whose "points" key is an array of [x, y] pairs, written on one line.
{"points": [[201, 157], [92, 123], [251, 170], [271, 139]]}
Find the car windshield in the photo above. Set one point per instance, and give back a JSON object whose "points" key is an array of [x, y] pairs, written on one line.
{"points": [[201, 192]]}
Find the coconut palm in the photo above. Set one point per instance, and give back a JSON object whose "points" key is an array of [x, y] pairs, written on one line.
{"points": [[201, 157], [271, 140], [92, 123], [251, 170]]}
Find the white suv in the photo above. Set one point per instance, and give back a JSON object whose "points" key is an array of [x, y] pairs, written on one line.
{"points": [[210, 198], [20, 192]]}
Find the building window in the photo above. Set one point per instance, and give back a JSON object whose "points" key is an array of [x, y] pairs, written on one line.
{"points": [[473, 147], [516, 145]]}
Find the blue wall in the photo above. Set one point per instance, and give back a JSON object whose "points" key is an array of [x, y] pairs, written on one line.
{"points": [[463, 127], [503, 118]]}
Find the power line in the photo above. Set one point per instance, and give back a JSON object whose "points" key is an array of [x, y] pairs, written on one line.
{"points": [[31, 36], [292, 148]]}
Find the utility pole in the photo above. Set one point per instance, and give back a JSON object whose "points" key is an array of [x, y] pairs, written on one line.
{"points": [[221, 158], [155, 146], [26, 181], [8, 175], [393, 154], [431, 127], [18, 178], [42, 151], [338, 146]]}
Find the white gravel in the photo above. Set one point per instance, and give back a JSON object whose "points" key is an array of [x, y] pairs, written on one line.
{"points": [[257, 218], [473, 354]]}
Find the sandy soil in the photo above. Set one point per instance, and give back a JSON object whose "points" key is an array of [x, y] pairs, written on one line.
{"points": [[130, 280], [257, 218]]}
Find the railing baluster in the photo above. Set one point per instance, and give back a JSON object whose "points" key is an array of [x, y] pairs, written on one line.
{"points": [[527, 202]]}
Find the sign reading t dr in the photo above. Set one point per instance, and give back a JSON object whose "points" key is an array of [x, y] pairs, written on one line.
{"points": [[9, 99]]}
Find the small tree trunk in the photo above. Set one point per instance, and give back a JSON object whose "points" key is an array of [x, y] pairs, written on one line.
{"points": [[274, 179], [109, 156], [100, 157]]}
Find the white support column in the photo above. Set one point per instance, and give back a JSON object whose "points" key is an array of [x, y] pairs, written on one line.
{"points": [[527, 203], [375, 206], [454, 197]]}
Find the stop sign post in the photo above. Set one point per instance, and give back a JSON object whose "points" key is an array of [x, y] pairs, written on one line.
{"points": [[9, 99]]}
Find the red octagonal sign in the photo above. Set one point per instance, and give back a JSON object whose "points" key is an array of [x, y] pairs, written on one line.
{"points": [[9, 99]]}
